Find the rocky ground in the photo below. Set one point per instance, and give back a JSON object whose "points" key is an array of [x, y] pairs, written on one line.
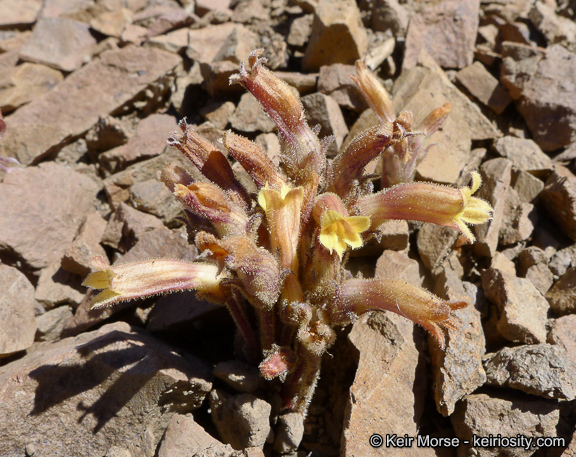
{"points": [[91, 89]]}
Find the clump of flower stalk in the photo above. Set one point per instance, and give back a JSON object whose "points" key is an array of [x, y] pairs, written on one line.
{"points": [[276, 259]]}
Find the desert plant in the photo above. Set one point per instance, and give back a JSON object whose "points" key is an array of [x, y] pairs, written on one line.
{"points": [[276, 259]]}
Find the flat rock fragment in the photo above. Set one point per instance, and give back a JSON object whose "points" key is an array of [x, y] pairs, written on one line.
{"points": [[51, 323], [559, 195], [250, 117], [58, 287], [19, 12], [524, 154], [86, 245], [563, 334], [562, 295], [323, 110], [485, 87], [109, 381], [538, 369]]}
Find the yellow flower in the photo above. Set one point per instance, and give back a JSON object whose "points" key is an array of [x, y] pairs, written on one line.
{"points": [[338, 231], [475, 211]]}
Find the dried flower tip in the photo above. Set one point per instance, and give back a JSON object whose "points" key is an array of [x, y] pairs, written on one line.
{"points": [[427, 202], [147, 278], [173, 174], [279, 362], [374, 93], [407, 300]]}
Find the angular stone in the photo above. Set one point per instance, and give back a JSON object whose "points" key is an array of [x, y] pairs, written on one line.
{"points": [[250, 117], [526, 185], [523, 310], [559, 196], [334, 80], [562, 296], [524, 154], [300, 30], [58, 287], [240, 376], [554, 27], [337, 35], [112, 23], [110, 82], [24, 83], [205, 6], [17, 321], [86, 245], [533, 265], [184, 436], [60, 43], [538, 369], [546, 92], [397, 265], [127, 226], [518, 221], [385, 347], [290, 430], [216, 77], [447, 31], [218, 113], [304, 83], [167, 18], [109, 381], [435, 244], [174, 42], [220, 42], [242, 420], [161, 243], [109, 132], [390, 15], [51, 323], [482, 415], [563, 334], [153, 197], [41, 209], [496, 177], [19, 12], [484, 87], [323, 110]]}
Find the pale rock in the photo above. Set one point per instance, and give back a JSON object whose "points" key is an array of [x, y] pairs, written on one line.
{"points": [[392, 234], [397, 265], [133, 34], [51, 323], [109, 381], [563, 334], [538, 369], [334, 80], [304, 83], [250, 117], [148, 141], [300, 30], [485, 87], [524, 154], [545, 90], [324, 111], [221, 42], [174, 42], [522, 308], [251, 11], [14, 41], [60, 43], [57, 287], [381, 52], [503, 263], [435, 244], [205, 6], [19, 12], [385, 346], [161, 243], [110, 82], [169, 18], [533, 265], [112, 23], [216, 77], [562, 295], [108, 132], [554, 27], [24, 83], [337, 35], [41, 209], [17, 322], [562, 260], [290, 430], [238, 375], [242, 420], [447, 30], [271, 146], [519, 220], [185, 437], [559, 197], [483, 415], [86, 245], [153, 197], [526, 185], [218, 113], [496, 177]]}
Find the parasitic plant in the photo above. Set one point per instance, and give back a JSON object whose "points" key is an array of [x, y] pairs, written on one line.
{"points": [[276, 258]]}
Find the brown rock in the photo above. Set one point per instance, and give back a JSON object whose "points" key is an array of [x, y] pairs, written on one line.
{"points": [[390, 15], [216, 76], [300, 30], [148, 141], [304, 83], [518, 220], [484, 87], [559, 196], [17, 321], [533, 265], [385, 347], [524, 154], [110, 82], [250, 117], [538, 369], [543, 85], [24, 83], [446, 30], [392, 234], [242, 420], [435, 244], [153, 197], [523, 309], [337, 35], [127, 226], [169, 18], [109, 132], [60, 43], [563, 334], [174, 42], [218, 113], [526, 185], [562, 296], [503, 263], [19, 12], [78, 257], [110, 381], [323, 110], [184, 436], [397, 265], [57, 287], [41, 209], [240, 376], [334, 80], [496, 177], [555, 28], [205, 6], [232, 42], [112, 23], [161, 243], [51, 323], [251, 10], [481, 415]]}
